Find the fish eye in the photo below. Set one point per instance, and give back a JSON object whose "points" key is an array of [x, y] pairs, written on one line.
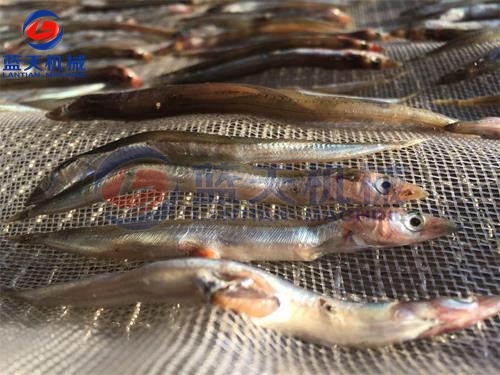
{"points": [[414, 222], [383, 185], [364, 45]]}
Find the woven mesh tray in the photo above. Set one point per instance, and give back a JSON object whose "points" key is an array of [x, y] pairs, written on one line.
{"points": [[461, 174]]}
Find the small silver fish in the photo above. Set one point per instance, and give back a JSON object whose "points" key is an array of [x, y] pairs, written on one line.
{"points": [[270, 302], [286, 187], [248, 240], [195, 149]]}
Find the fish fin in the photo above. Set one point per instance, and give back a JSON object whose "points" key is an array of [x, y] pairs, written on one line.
{"points": [[241, 294]]}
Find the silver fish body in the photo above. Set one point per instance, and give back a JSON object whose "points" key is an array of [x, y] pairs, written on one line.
{"points": [[195, 149], [270, 302], [286, 187], [249, 240]]}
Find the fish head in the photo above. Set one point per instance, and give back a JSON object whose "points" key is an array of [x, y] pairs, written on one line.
{"points": [[370, 188], [359, 44], [335, 14], [125, 76], [374, 60], [387, 227], [141, 55], [444, 315]]}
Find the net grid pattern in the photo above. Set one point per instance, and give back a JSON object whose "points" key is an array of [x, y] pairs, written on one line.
{"points": [[461, 174]]}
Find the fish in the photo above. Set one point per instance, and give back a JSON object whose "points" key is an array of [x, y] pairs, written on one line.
{"points": [[485, 64], [352, 87], [270, 186], [16, 107], [488, 127], [443, 30], [487, 100], [76, 26], [319, 91], [115, 75], [111, 51], [196, 149], [332, 15], [435, 9], [472, 12], [268, 43], [269, 301], [465, 26], [467, 39], [222, 69], [173, 6], [220, 98], [247, 240], [196, 39], [331, 12]]}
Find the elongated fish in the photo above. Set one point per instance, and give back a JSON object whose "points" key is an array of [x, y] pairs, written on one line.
{"points": [[268, 43], [489, 127], [467, 39], [295, 8], [285, 187], [196, 39], [114, 75], [176, 100], [110, 51], [487, 100], [352, 87], [485, 64], [222, 70], [270, 302], [179, 148], [472, 12], [236, 20], [247, 240]]}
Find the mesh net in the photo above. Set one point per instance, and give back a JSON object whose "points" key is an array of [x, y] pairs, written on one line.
{"points": [[461, 174]]}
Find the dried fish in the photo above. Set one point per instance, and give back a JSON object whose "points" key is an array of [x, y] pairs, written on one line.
{"points": [[238, 98], [248, 240], [115, 75], [270, 302], [195, 149], [222, 70], [485, 64], [487, 100]]}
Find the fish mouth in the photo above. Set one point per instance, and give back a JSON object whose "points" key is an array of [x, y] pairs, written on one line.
{"points": [[453, 314], [437, 227], [59, 114]]}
